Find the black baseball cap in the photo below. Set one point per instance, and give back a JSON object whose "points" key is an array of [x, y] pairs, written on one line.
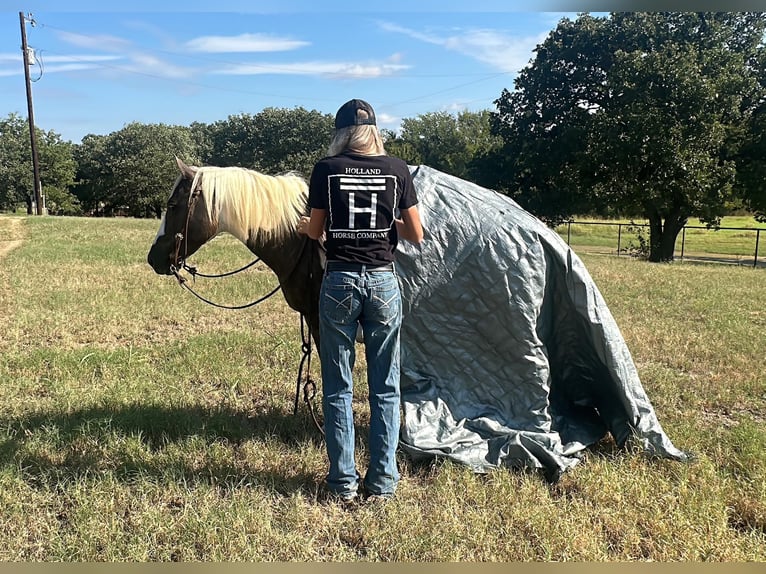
{"points": [[347, 116]]}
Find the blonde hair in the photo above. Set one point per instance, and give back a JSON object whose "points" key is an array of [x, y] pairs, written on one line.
{"points": [[363, 140]]}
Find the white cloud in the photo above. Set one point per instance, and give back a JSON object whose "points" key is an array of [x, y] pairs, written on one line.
{"points": [[130, 59], [141, 63], [70, 68], [334, 69], [389, 122], [103, 42], [244, 43], [53, 64], [77, 58], [502, 51]]}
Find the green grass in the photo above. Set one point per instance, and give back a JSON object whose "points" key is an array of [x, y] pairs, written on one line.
{"points": [[730, 245], [139, 424]]}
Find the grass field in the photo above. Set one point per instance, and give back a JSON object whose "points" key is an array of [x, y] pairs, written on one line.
{"points": [[139, 424]]}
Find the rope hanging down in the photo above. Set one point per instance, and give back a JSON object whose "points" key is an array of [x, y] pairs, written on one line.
{"points": [[309, 386]]}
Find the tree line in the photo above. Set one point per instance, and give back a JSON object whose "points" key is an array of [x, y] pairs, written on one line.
{"points": [[660, 116]]}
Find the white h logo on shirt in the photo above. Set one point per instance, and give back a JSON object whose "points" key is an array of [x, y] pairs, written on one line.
{"points": [[353, 209]]}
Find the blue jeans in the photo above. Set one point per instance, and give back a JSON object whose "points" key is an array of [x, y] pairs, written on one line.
{"points": [[372, 299]]}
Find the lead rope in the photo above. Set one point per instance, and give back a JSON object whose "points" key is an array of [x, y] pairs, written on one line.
{"points": [[309, 386]]}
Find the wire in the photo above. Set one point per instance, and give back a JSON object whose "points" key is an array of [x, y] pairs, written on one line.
{"points": [[277, 69], [39, 62], [450, 89], [284, 70]]}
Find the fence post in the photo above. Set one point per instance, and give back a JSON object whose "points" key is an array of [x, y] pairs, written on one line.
{"points": [[683, 240], [619, 238], [569, 229], [757, 241]]}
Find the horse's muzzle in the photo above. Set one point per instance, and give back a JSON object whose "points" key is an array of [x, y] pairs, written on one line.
{"points": [[159, 263]]}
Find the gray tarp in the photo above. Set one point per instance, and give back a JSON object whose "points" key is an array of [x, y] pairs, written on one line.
{"points": [[510, 356]]}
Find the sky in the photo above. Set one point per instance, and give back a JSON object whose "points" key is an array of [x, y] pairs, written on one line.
{"points": [[97, 65]]}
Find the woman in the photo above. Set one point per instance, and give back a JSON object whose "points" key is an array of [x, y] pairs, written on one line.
{"points": [[354, 196]]}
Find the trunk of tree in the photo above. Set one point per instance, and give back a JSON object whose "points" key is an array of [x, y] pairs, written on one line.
{"points": [[30, 210], [662, 237]]}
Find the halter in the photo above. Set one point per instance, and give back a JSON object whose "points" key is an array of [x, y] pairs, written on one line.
{"points": [[180, 262]]}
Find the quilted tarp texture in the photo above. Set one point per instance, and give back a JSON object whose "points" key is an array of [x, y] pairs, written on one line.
{"points": [[510, 356]]}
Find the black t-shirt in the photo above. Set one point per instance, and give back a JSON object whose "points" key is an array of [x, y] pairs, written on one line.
{"points": [[361, 195]]}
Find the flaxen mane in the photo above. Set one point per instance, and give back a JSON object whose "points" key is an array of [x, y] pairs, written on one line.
{"points": [[245, 203]]}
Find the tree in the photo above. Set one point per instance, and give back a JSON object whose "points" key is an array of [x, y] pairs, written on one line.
{"points": [[447, 142], [16, 183], [751, 155], [57, 167], [751, 171], [273, 141], [202, 135], [637, 113], [57, 173], [291, 140], [229, 142], [134, 168], [91, 177]]}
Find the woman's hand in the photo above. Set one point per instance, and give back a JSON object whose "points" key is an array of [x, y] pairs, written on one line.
{"points": [[303, 225]]}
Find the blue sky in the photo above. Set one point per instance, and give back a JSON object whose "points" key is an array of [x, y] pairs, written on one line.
{"points": [[98, 68]]}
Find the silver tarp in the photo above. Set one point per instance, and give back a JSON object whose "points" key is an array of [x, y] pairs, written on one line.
{"points": [[510, 356]]}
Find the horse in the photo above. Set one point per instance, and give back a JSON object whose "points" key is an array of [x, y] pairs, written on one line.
{"points": [[261, 211]]}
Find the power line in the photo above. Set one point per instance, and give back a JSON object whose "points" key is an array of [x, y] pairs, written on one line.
{"points": [[286, 70], [280, 70]]}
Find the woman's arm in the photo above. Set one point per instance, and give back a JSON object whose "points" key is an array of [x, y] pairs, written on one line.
{"points": [[409, 226]]}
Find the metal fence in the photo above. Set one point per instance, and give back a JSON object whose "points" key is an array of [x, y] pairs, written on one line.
{"points": [[729, 248]]}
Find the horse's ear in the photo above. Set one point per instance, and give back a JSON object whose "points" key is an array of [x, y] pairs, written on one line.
{"points": [[186, 170]]}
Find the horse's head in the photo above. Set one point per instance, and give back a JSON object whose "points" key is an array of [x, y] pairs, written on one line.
{"points": [[186, 225]]}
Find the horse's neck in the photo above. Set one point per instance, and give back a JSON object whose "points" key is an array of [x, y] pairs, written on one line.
{"points": [[280, 255]]}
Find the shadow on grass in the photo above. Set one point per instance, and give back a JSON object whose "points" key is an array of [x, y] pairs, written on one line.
{"points": [[174, 444], [162, 443]]}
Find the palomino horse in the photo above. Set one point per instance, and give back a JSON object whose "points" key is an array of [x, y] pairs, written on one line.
{"points": [[260, 210]]}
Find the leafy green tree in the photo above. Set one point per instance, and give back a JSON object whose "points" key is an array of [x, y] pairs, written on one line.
{"points": [[635, 113], [751, 155], [448, 142], [16, 183], [134, 168], [91, 181], [229, 142], [291, 140], [273, 141], [395, 145], [202, 135], [56, 165], [57, 173]]}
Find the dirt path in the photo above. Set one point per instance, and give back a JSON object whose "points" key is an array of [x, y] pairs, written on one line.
{"points": [[9, 227]]}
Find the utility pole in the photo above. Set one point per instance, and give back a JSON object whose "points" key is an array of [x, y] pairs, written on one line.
{"points": [[30, 108]]}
